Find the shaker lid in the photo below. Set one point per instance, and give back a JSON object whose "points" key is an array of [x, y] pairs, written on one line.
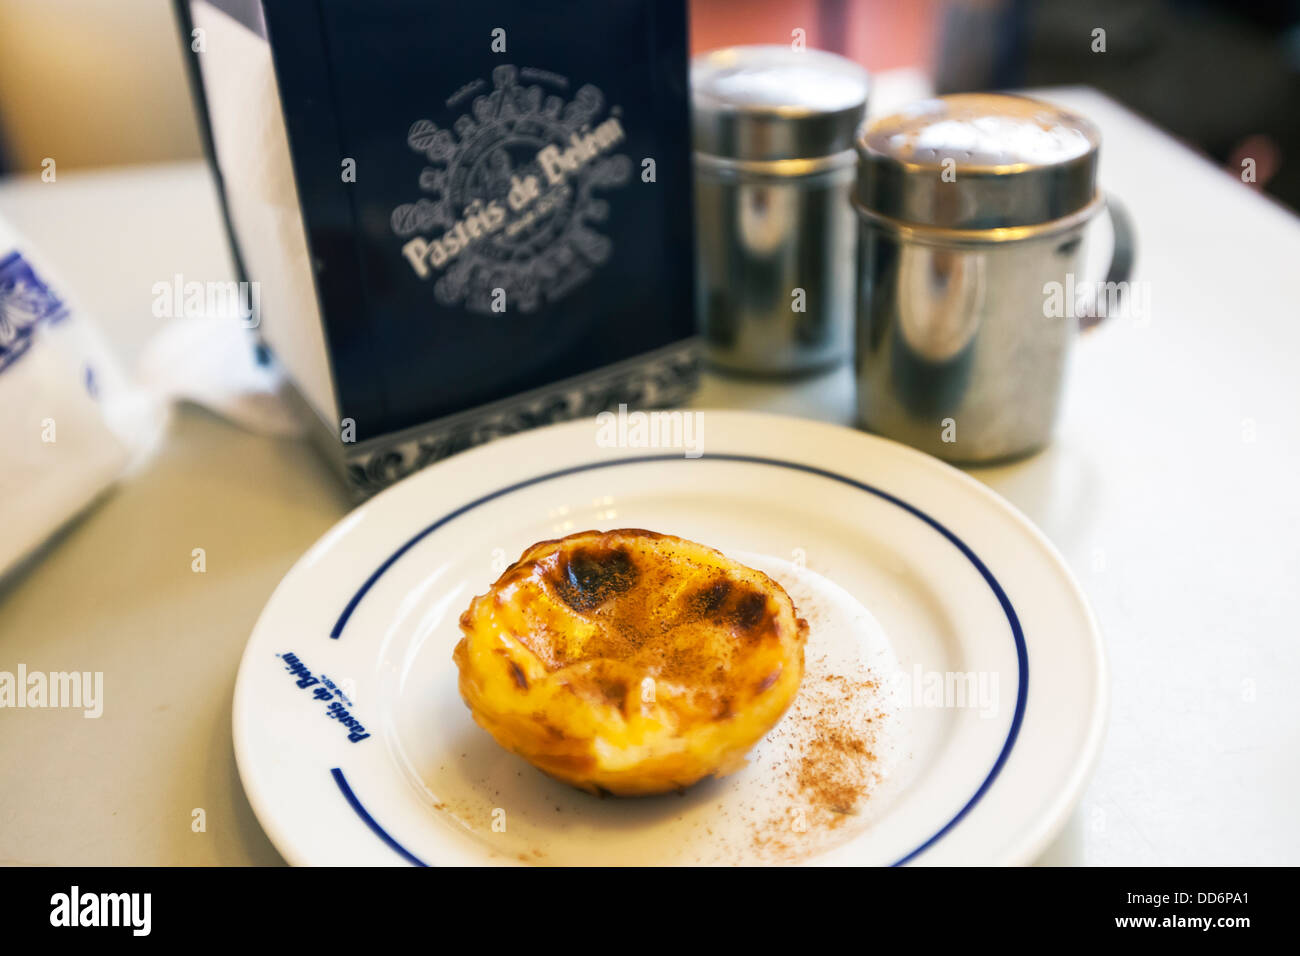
{"points": [[978, 161], [774, 102]]}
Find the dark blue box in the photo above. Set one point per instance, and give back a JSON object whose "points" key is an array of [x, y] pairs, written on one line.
{"points": [[494, 206]]}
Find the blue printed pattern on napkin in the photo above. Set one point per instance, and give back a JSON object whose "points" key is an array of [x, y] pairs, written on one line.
{"points": [[25, 301]]}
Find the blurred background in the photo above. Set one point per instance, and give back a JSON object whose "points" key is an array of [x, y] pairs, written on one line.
{"points": [[100, 83]]}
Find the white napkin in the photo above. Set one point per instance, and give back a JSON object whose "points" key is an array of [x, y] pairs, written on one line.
{"points": [[211, 361], [72, 423]]}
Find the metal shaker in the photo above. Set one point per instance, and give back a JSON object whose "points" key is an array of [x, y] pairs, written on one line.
{"points": [[972, 211], [774, 165]]}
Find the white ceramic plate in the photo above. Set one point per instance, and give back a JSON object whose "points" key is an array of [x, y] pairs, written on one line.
{"points": [[963, 637]]}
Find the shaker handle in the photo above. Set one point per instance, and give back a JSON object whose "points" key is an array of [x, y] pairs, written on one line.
{"points": [[1123, 255]]}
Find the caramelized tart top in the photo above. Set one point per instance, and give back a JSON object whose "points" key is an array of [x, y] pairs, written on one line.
{"points": [[602, 612]]}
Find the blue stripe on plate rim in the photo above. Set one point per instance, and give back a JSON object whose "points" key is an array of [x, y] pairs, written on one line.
{"points": [[1017, 633]]}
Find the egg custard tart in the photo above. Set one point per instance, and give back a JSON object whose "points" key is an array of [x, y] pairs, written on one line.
{"points": [[630, 662]]}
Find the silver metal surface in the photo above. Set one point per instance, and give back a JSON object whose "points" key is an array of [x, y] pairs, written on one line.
{"points": [[957, 353], [978, 161], [774, 167], [773, 102]]}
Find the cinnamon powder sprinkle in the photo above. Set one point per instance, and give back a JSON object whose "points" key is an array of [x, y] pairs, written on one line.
{"points": [[830, 768]]}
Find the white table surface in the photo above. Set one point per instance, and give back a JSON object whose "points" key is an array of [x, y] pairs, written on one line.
{"points": [[1184, 534]]}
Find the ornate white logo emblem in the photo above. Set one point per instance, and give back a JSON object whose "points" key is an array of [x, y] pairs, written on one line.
{"points": [[512, 193]]}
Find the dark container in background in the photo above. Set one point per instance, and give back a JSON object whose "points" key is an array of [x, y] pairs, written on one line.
{"points": [[465, 219]]}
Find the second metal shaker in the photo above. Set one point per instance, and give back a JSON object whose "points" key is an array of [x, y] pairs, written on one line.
{"points": [[774, 162], [973, 209]]}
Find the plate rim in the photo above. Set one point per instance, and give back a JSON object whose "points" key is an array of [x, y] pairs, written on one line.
{"points": [[1033, 840]]}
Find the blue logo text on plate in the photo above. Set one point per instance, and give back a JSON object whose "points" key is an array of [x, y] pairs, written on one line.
{"points": [[338, 705]]}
